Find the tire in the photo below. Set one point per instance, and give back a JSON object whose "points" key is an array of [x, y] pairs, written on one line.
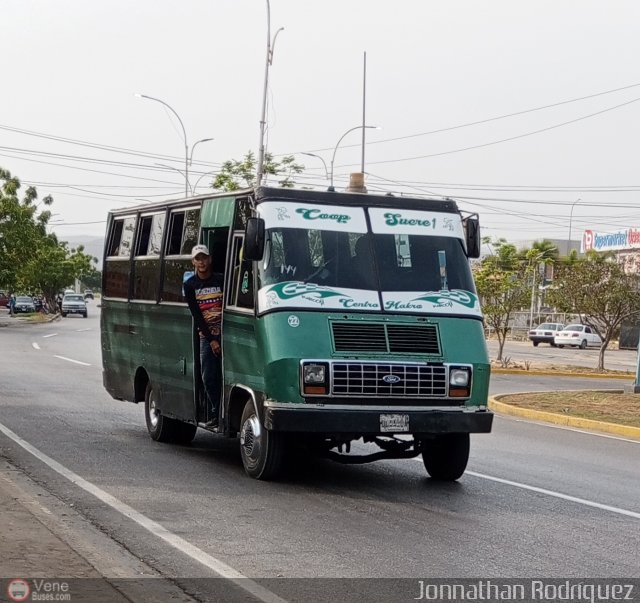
{"points": [[64, 314], [560, 346], [583, 344], [164, 429], [85, 315], [553, 345], [262, 451], [445, 457], [535, 344]]}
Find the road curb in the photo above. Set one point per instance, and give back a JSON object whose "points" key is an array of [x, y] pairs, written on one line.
{"points": [[567, 421], [501, 371]]}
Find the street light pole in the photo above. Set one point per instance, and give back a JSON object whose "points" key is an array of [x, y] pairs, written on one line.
{"points": [[194, 188], [184, 135], [333, 157], [326, 171], [195, 144], [175, 169], [263, 120], [570, 223]]}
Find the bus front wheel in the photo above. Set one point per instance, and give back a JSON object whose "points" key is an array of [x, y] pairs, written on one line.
{"points": [[262, 451], [445, 456], [165, 429]]}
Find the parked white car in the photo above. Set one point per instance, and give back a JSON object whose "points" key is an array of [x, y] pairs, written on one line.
{"points": [[579, 336], [545, 333]]}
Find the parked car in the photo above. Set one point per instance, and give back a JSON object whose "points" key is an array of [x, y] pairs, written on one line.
{"points": [[24, 304], [4, 299], [88, 294], [74, 303], [545, 333], [579, 336]]}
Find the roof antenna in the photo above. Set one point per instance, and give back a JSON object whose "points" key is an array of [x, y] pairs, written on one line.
{"points": [[263, 122]]}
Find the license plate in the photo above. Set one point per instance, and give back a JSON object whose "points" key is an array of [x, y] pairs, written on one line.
{"points": [[394, 423]]}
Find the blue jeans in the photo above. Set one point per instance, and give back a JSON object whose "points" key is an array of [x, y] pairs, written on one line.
{"points": [[211, 367]]}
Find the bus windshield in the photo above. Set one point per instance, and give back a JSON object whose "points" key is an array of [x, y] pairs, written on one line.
{"points": [[332, 257], [314, 268], [378, 262]]}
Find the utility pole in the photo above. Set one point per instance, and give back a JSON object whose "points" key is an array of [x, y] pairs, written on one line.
{"points": [[263, 120]]}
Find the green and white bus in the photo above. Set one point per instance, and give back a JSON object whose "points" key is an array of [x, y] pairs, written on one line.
{"points": [[347, 317]]}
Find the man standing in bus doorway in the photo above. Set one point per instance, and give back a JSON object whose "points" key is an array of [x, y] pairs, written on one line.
{"points": [[203, 292]]}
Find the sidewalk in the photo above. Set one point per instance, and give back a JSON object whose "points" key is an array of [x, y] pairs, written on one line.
{"points": [[21, 320], [45, 544]]}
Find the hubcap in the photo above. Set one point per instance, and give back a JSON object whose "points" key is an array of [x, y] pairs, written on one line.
{"points": [[251, 439], [154, 415]]}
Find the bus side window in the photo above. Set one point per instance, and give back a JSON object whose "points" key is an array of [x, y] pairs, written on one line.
{"points": [[147, 257], [241, 294], [116, 266], [182, 234]]}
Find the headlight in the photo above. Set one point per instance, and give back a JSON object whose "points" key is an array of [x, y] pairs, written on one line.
{"points": [[314, 373], [459, 381], [459, 377], [315, 378]]}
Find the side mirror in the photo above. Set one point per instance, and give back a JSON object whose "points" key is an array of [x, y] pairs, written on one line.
{"points": [[472, 233], [254, 239]]}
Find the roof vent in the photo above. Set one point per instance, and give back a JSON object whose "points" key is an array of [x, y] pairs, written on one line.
{"points": [[356, 183]]}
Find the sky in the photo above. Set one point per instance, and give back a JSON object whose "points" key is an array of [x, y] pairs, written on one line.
{"points": [[526, 112]]}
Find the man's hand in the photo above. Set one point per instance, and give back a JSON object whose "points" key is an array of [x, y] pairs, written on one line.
{"points": [[215, 346]]}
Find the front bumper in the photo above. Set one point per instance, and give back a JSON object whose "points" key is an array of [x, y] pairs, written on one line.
{"points": [[364, 420]]}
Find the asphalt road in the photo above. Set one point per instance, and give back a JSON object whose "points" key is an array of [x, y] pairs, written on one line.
{"points": [[523, 351], [536, 500]]}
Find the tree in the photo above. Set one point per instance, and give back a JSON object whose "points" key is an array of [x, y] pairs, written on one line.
{"points": [[32, 260], [502, 280], [236, 174], [54, 266], [598, 289], [21, 226]]}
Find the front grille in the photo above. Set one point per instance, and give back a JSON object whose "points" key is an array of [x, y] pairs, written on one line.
{"points": [[385, 338], [402, 380]]}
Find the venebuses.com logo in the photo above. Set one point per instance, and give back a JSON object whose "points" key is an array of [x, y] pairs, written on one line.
{"points": [[18, 590], [38, 589]]}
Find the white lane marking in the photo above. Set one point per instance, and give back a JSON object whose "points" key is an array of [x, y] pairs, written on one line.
{"points": [[82, 330], [221, 568], [71, 360], [35, 346], [575, 499], [50, 335]]}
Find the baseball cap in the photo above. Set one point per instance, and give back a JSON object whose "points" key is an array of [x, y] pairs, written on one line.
{"points": [[199, 249]]}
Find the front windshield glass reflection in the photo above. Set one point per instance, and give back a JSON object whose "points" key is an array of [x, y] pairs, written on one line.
{"points": [[386, 262]]}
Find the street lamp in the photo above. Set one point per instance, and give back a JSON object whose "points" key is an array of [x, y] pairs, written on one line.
{"points": [[187, 157], [331, 187], [195, 186], [195, 144], [182, 173], [570, 223], [326, 171]]}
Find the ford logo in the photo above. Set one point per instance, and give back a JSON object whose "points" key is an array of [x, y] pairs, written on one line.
{"points": [[391, 379]]}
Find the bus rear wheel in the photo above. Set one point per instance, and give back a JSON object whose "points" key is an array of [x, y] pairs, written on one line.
{"points": [[262, 451], [445, 457], [164, 429]]}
